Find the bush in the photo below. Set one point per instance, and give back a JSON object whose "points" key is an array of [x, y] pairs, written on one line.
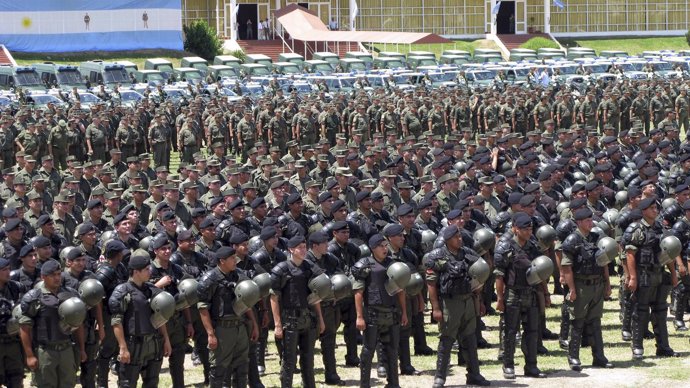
{"points": [[239, 54], [539, 42], [202, 40], [687, 37]]}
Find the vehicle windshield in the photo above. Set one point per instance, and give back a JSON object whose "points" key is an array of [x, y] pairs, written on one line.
{"points": [[663, 66], [111, 76], [153, 77], [441, 77], [199, 66], [375, 81], [43, 99], [482, 75], [165, 68], [87, 97], [227, 73], [427, 62], [357, 66], [290, 69], [347, 82], [597, 67], [27, 78], [69, 77], [130, 96], [323, 67]]}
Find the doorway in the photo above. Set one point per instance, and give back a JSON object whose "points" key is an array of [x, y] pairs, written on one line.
{"points": [[505, 20], [246, 13]]}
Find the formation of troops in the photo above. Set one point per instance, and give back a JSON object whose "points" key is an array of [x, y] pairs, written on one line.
{"points": [[375, 211]]}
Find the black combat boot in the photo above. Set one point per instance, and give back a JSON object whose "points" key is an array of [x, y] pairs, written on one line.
{"points": [[469, 349], [574, 345]]}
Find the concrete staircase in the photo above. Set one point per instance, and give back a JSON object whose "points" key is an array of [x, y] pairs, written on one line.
{"points": [[275, 47], [512, 41]]}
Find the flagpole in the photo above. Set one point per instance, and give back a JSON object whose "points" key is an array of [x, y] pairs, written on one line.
{"points": [[547, 16]]}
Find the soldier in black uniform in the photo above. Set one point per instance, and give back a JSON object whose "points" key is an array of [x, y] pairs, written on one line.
{"points": [[295, 323], [648, 281], [681, 229], [111, 272], [379, 314], [142, 346], [453, 304], [11, 359], [27, 274], [347, 254], [166, 275], [50, 352], [516, 298], [74, 274], [228, 338]]}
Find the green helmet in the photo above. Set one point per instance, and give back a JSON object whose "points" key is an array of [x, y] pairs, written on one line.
{"points": [[670, 249], [321, 288], [428, 238], [187, 295], [72, 313], [546, 235], [12, 326], [91, 291], [263, 280], [668, 202], [611, 217], [163, 306], [107, 236], [342, 286], [398, 277], [364, 250], [540, 270], [484, 241], [561, 207], [247, 293], [65, 252], [416, 284], [145, 243], [608, 251], [479, 272], [621, 199]]}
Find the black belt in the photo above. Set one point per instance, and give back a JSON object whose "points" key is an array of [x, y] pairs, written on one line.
{"points": [[141, 338], [296, 312], [522, 290], [590, 281], [228, 323], [56, 346]]}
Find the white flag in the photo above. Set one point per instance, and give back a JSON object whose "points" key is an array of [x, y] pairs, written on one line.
{"points": [[354, 10], [496, 7]]}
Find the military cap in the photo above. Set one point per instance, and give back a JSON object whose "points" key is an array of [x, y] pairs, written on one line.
{"points": [[238, 237], [85, 228], [295, 241], [583, 213], [323, 197], [206, 223], [391, 230], [268, 232], [647, 202], [318, 237], [4, 263], [44, 219], [376, 240], [576, 203], [49, 267], [119, 218], [362, 195], [139, 262], [235, 204], [450, 232], [522, 220], [12, 224], [405, 209]]}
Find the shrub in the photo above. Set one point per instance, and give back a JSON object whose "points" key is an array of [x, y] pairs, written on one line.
{"points": [[239, 54], [202, 40], [539, 42], [687, 37]]}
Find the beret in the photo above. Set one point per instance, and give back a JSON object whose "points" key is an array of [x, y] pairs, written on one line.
{"points": [[634, 191], [647, 202], [577, 187], [461, 204], [680, 188], [330, 184], [26, 250], [9, 212], [206, 223], [393, 230], [235, 204], [450, 231], [423, 204], [94, 203], [522, 220], [238, 237], [337, 204], [405, 209], [44, 219], [114, 246], [138, 262], [119, 218], [50, 267], [323, 197], [215, 201], [340, 225], [198, 212], [74, 254], [527, 200], [85, 228], [592, 185], [319, 237], [40, 242], [377, 196], [453, 214], [295, 197], [376, 240], [258, 201], [362, 195], [168, 215], [686, 205], [159, 241], [4, 262], [184, 235], [583, 213], [514, 198], [575, 203], [295, 241], [531, 188], [12, 224], [268, 232]]}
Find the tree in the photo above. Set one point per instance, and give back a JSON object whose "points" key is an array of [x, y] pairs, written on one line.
{"points": [[202, 40]]}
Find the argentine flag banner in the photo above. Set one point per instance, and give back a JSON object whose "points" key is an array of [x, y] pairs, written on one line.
{"points": [[95, 25]]}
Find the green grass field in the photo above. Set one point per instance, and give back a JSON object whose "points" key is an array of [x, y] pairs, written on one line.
{"points": [[627, 373], [138, 57], [632, 46]]}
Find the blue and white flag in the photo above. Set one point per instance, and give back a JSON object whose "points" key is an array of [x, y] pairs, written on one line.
{"points": [[83, 25], [559, 4], [494, 10]]}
